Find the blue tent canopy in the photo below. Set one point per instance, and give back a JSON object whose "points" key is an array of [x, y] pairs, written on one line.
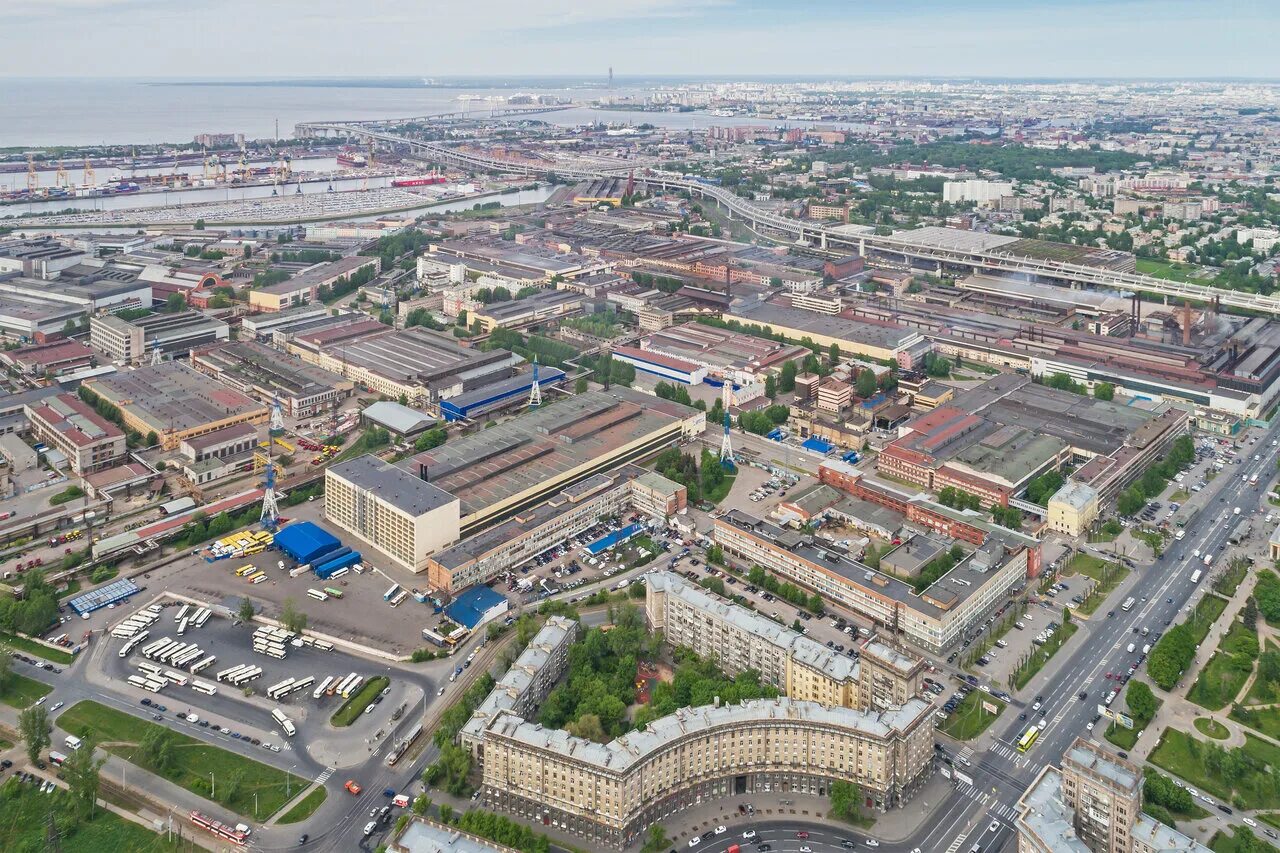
{"points": [[304, 541]]}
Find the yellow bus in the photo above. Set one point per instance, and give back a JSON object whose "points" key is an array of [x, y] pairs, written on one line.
{"points": [[254, 549], [1028, 739], [244, 570], [263, 536]]}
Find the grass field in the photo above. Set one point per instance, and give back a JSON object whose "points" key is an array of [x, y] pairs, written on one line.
{"points": [[1222, 842], [970, 719], [22, 692], [1170, 270], [1231, 578], [1241, 777], [1107, 574], [1173, 754], [1265, 720], [24, 821], [40, 650], [722, 490], [1263, 691], [1126, 738], [1211, 728], [358, 701], [235, 779], [1227, 670], [305, 808]]}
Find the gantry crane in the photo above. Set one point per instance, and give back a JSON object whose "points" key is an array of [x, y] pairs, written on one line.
{"points": [[62, 179], [33, 178], [89, 179]]}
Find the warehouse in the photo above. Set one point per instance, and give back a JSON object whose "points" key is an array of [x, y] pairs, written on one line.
{"points": [[263, 326], [725, 354], [94, 289], [302, 389], [516, 465], [517, 313], [304, 541], [883, 341], [670, 369], [175, 402], [498, 395], [132, 341], [305, 287]]}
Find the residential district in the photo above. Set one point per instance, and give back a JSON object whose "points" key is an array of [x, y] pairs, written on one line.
{"points": [[877, 465]]}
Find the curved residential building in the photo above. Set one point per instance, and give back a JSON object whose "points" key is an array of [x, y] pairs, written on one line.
{"points": [[610, 793]]}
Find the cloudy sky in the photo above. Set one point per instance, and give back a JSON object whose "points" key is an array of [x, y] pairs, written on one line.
{"points": [[221, 39]]}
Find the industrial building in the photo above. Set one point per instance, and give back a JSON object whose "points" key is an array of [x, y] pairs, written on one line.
{"points": [[1072, 509], [175, 402], [932, 619], [302, 389], [132, 341], [391, 509], [1093, 804], [305, 287], [496, 396], [725, 354], [540, 307], [487, 554], [880, 340], [66, 423], [54, 358], [262, 327], [610, 793], [513, 466], [425, 366], [400, 421], [218, 454]]}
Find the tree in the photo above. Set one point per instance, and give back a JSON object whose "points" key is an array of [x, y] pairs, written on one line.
{"points": [[152, 439], [770, 387], [430, 439], [246, 609], [6, 669], [656, 841], [33, 726], [81, 771], [1066, 616], [833, 354], [866, 384], [588, 726], [787, 381], [156, 745], [175, 303], [846, 800], [580, 387], [1140, 699], [1104, 391], [292, 618]]}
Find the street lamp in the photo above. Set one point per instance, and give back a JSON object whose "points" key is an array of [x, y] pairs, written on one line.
{"points": [[212, 788], [288, 777]]}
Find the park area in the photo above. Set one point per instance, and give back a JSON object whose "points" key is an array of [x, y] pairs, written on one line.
{"points": [[24, 825], [1107, 575], [1242, 776], [245, 786], [970, 718], [1228, 670]]}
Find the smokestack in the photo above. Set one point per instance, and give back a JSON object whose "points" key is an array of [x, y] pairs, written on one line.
{"points": [[1186, 322]]}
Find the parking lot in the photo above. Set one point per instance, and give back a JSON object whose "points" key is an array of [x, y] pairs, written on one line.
{"points": [[246, 710]]}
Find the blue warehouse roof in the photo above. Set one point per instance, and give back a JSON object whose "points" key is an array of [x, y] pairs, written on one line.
{"points": [[304, 541], [481, 400]]}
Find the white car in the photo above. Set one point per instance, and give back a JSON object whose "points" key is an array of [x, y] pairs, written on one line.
{"points": [[721, 830], [871, 842], [56, 706], [994, 826], [1248, 821], [695, 841], [748, 835]]}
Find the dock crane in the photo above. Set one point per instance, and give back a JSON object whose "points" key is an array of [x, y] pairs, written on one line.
{"points": [[63, 179], [89, 178], [33, 178]]}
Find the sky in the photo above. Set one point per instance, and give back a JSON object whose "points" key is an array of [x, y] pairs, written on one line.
{"points": [[224, 39]]}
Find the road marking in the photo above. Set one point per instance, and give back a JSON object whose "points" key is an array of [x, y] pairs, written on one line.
{"points": [[955, 845], [324, 775]]}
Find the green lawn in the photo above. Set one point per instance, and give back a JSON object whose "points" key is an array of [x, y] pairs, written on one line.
{"points": [[1205, 614], [358, 701], [1211, 728], [1262, 691], [1230, 843], [22, 692], [970, 719], [193, 764], [1246, 781], [1108, 575], [1221, 679], [22, 644], [722, 490], [24, 824], [1173, 754], [1126, 738], [1040, 655], [1231, 578], [1170, 270], [1265, 720], [305, 808], [1272, 818]]}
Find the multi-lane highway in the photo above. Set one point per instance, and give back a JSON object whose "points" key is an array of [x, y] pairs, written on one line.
{"points": [[1001, 774]]}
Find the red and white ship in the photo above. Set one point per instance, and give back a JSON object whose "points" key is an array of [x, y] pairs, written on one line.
{"points": [[419, 180], [352, 159]]}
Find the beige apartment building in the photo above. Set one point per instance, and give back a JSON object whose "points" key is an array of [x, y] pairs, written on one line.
{"points": [[739, 639], [1072, 509], [1093, 803], [405, 518], [610, 793], [73, 428]]}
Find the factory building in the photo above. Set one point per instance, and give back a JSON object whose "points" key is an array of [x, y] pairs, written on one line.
{"points": [[880, 340], [540, 307], [933, 619], [425, 366], [513, 466], [496, 396], [305, 287], [262, 327], [175, 402], [391, 509], [1072, 509], [485, 555], [218, 454], [69, 425], [131, 341], [302, 389], [723, 353], [1093, 804], [610, 793], [53, 358]]}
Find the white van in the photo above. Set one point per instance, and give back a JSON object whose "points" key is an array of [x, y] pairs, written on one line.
{"points": [[1146, 648], [1131, 647], [72, 742]]}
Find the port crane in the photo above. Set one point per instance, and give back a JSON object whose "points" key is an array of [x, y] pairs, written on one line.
{"points": [[89, 178], [63, 179], [33, 178]]}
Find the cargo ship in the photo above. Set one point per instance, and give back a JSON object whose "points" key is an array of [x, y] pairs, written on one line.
{"points": [[419, 180], [352, 160]]}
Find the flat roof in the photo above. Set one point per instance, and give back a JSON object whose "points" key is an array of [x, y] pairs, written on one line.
{"points": [[254, 364], [487, 467], [396, 417], [888, 336], [173, 397], [394, 485], [69, 416], [318, 275], [416, 353]]}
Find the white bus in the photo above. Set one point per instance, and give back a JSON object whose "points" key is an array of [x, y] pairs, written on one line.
{"points": [[248, 675], [1195, 576], [149, 668], [153, 646], [299, 570], [279, 689], [184, 660], [155, 685], [1128, 604], [324, 685], [342, 685], [156, 609], [352, 687], [182, 613], [322, 645], [137, 681], [317, 595], [203, 664], [285, 722], [386, 596], [169, 654], [182, 627], [201, 617], [399, 597], [203, 687], [176, 677], [230, 672], [339, 573], [302, 683], [132, 644]]}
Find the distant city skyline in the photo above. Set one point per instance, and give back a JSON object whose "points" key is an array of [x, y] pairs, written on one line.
{"points": [[223, 39]]}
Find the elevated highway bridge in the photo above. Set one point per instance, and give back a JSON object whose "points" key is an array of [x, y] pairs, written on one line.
{"points": [[979, 260]]}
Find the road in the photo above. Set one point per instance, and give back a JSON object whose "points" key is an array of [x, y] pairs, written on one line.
{"points": [[1001, 774]]}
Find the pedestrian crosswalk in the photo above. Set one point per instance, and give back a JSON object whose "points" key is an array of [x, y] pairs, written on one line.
{"points": [[955, 845], [324, 775], [999, 809], [1010, 755], [965, 753]]}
